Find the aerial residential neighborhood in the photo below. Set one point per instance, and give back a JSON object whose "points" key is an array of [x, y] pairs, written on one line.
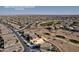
{"points": [[39, 33]]}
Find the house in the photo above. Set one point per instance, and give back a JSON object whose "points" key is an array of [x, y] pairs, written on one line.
{"points": [[37, 41]]}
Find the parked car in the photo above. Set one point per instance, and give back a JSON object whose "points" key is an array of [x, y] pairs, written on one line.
{"points": [[32, 46]]}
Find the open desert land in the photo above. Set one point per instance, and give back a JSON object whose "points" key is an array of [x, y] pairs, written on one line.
{"points": [[40, 33]]}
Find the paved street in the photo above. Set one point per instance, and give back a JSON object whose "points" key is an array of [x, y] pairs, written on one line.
{"points": [[22, 40]]}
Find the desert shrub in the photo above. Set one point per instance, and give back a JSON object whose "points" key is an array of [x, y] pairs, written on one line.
{"points": [[60, 36], [74, 41]]}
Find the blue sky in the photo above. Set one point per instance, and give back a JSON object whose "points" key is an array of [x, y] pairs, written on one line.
{"points": [[54, 10]]}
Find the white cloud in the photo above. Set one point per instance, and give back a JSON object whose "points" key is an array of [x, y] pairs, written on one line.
{"points": [[19, 7]]}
